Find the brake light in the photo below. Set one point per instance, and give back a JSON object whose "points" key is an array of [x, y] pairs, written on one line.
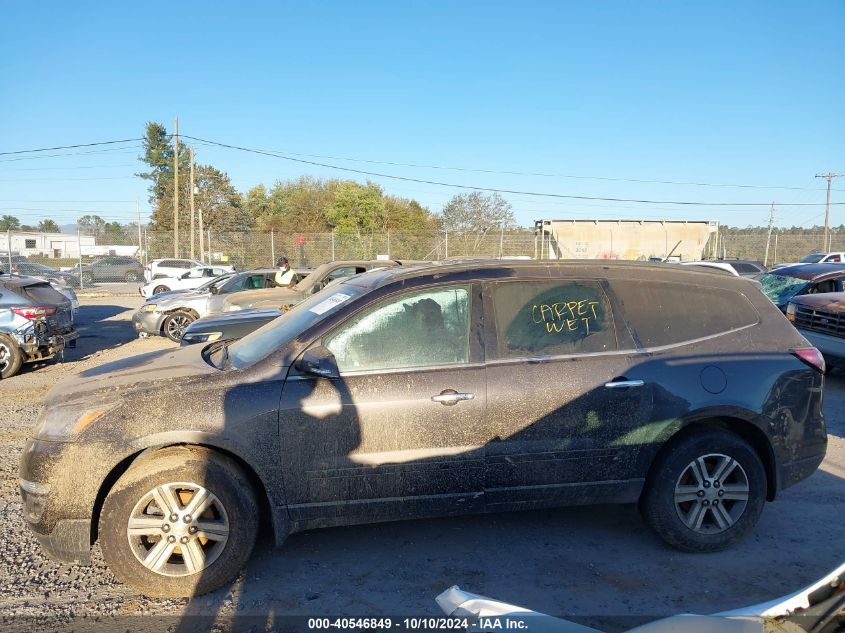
{"points": [[811, 356], [38, 312]]}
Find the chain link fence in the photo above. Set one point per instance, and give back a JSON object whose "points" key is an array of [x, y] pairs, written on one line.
{"points": [[245, 250], [253, 250]]}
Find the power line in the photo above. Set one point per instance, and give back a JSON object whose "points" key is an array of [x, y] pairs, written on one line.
{"points": [[70, 168], [531, 173], [78, 145], [491, 189], [117, 150], [67, 179], [68, 201]]}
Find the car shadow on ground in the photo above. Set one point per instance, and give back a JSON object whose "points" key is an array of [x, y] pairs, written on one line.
{"points": [[100, 327], [595, 565]]}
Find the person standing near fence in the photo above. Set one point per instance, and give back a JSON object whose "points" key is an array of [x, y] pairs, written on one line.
{"points": [[285, 277]]}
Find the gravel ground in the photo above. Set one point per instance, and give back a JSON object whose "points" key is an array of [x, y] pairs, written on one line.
{"points": [[598, 565]]}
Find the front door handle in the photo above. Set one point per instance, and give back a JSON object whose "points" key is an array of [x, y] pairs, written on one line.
{"points": [[623, 384], [451, 397]]}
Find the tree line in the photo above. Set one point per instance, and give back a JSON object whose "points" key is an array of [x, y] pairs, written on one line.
{"points": [[305, 205]]}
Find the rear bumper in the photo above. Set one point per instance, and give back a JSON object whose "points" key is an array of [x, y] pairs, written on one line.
{"points": [[41, 347], [792, 472]]}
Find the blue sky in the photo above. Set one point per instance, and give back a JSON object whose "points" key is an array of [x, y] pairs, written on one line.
{"points": [[709, 92]]}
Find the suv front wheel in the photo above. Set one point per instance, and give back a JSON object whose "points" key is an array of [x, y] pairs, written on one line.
{"points": [[706, 493], [180, 522]]}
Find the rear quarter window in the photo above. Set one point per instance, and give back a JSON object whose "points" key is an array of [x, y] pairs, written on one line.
{"points": [[551, 318], [44, 294], [666, 313]]}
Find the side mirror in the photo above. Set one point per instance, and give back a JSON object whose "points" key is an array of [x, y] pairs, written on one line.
{"points": [[214, 290], [318, 361]]}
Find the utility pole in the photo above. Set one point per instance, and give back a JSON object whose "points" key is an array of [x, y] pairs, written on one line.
{"points": [[176, 187], [202, 241], [138, 211], [769, 237], [829, 176], [192, 203]]}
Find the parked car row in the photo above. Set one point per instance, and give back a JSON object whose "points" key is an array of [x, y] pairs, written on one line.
{"points": [[171, 313], [428, 390], [187, 280]]}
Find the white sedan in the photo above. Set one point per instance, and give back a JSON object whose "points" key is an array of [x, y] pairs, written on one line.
{"points": [[192, 278]]}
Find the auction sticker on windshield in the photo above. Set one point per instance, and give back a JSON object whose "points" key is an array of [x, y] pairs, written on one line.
{"points": [[335, 300]]}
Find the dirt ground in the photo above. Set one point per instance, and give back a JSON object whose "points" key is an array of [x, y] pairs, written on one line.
{"points": [[600, 565]]}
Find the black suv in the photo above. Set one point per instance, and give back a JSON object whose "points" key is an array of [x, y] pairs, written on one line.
{"points": [[433, 390]]}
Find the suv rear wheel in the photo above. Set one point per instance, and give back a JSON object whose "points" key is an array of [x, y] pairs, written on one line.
{"points": [[706, 493], [179, 523], [11, 358]]}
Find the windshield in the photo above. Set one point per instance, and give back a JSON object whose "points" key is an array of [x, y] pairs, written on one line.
{"points": [[815, 258], [302, 316], [780, 288]]}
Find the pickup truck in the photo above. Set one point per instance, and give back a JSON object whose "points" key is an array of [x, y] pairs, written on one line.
{"points": [[821, 319]]}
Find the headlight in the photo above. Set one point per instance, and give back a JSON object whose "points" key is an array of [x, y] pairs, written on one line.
{"points": [[63, 423], [202, 337], [148, 307], [790, 312]]}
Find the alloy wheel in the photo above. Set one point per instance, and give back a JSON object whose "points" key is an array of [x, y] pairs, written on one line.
{"points": [[178, 529], [5, 357], [711, 494], [176, 326]]}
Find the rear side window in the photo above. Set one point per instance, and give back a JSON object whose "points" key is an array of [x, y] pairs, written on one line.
{"points": [[549, 318], [44, 294], [666, 313]]}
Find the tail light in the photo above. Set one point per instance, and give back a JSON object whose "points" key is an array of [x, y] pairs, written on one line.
{"points": [[37, 312], [811, 356]]}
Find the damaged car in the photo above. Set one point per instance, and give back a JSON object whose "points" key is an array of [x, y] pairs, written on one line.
{"points": [[433, 390], [36, 322]]}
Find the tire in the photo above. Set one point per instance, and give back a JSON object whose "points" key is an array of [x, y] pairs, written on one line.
{"points": [[701, 499], [175, 475], [87, 278], [174, 325], [131, 276], [11, 358], [158, 289]]}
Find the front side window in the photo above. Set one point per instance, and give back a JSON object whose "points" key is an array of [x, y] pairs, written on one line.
{"points": [[550, 318], [420, 329], [815, 258]]}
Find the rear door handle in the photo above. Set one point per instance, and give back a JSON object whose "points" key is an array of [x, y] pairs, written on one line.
{"points": [[451, 397], [623, 384]]}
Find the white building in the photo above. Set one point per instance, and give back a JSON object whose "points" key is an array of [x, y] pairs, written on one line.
{"points": [[51, 245]]}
